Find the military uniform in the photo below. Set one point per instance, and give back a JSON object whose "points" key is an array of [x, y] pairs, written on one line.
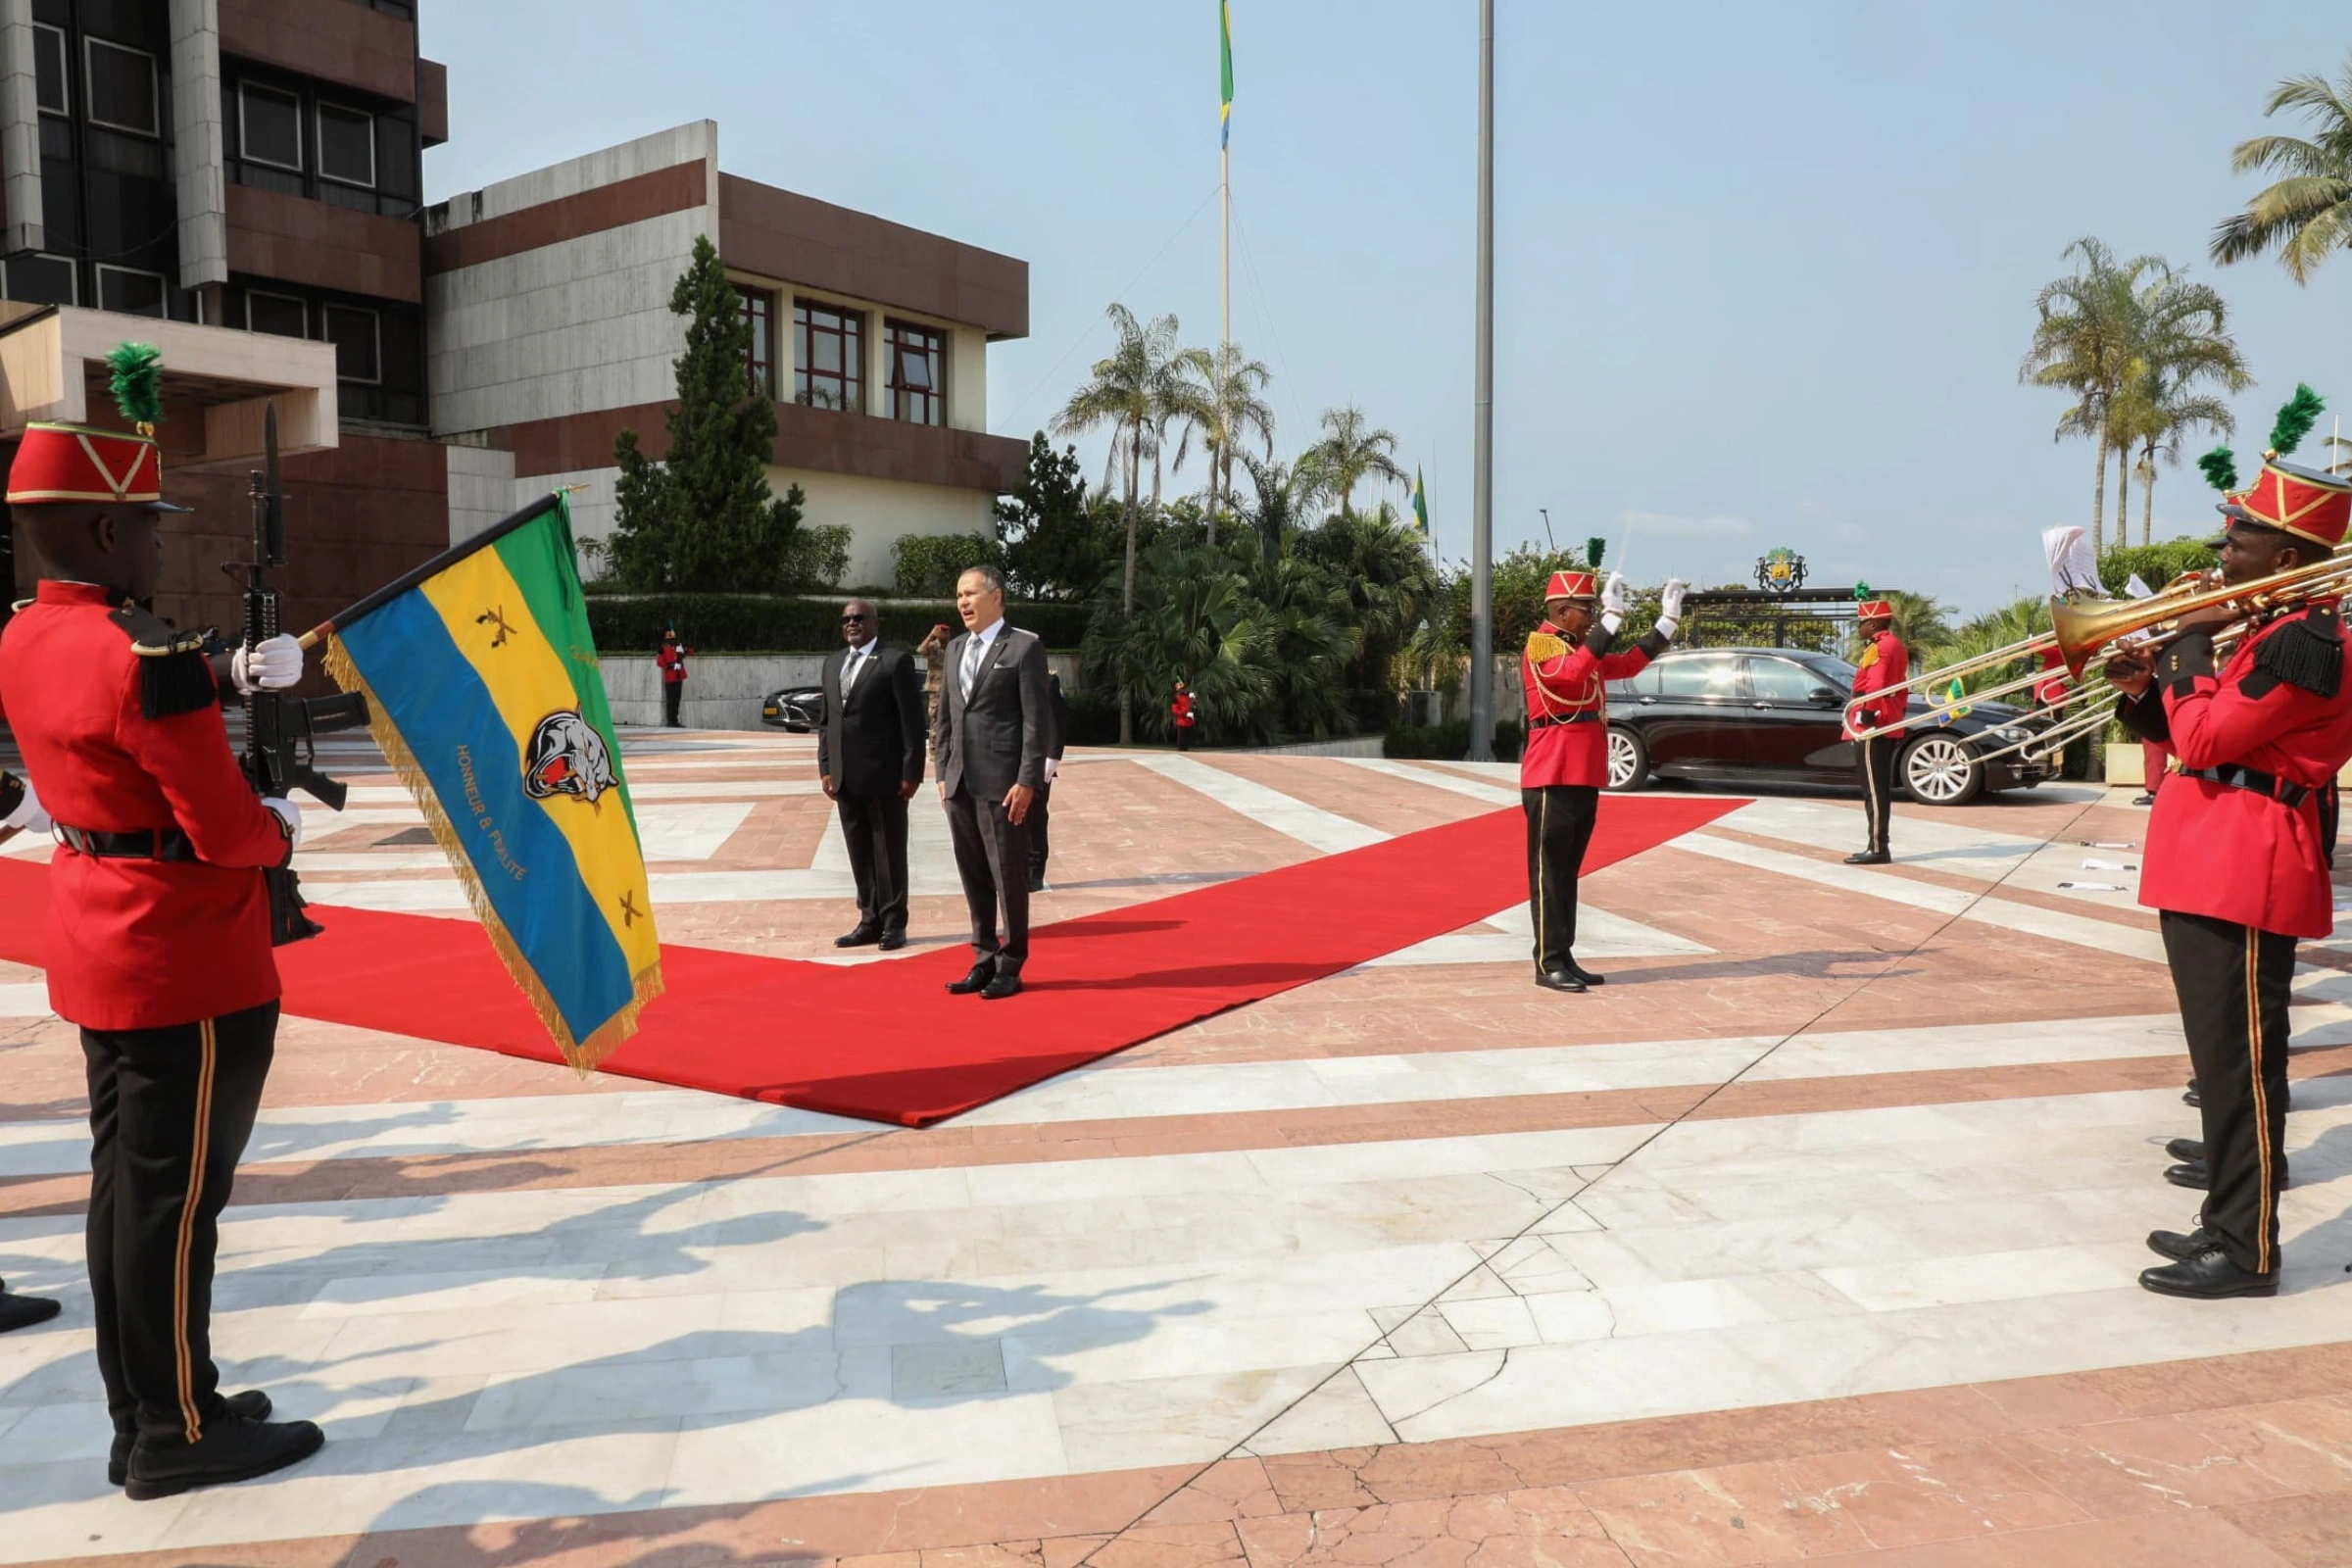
{"points": [[1564, 763], [2236, 866], [158, 947], [1885, 665]]}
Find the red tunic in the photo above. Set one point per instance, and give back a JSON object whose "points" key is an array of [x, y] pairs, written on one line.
{"points": [[1568, 689], [1181, 708], [137, 944], [2232, 854], [1885, 663], [671, 661]]}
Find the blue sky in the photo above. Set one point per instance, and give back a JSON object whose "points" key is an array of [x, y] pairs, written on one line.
{"points": [[1764, 272]]}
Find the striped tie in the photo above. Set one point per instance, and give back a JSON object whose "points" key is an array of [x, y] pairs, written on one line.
{"points": [[974, 647]]}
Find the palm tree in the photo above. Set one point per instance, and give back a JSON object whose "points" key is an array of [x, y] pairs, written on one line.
{"points": [[1136, 391], [2307, 212], [2083, 343], [1282, 495], [2178, 340], [1350, 452], [1232, 411]]}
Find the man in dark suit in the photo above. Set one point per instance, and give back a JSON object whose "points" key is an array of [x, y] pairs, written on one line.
{"points": [[1041, 810], [994, 729], [869, 757]]}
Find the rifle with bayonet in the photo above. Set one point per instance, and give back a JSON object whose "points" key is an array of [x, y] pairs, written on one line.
{"points": [[281, 730]]}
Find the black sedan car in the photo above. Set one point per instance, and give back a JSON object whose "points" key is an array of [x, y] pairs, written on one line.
{"points": [[798, 709], [1755, 714]]}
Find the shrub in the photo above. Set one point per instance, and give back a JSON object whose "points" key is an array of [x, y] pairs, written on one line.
{"points": [[930, 563], [815, 557], [739, 623], [2156, 565], [1450, 741]]}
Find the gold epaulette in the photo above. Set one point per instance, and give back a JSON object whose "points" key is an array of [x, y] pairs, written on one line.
{"points": [[152, 636], [1542, 647]]}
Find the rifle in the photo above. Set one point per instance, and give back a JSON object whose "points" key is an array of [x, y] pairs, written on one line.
{"points": [[281, 730]]}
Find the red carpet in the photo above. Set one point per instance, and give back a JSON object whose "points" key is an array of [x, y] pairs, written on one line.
{"points": [[884, 1040]]}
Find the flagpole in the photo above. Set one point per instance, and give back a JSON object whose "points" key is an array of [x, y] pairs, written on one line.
{"points": [[1482, 499], [1225, 258]]}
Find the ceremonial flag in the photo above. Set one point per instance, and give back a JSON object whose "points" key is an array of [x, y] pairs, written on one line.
{"points": [[1420, 503], [1225, 61], [1955, 698], [483, 691]]}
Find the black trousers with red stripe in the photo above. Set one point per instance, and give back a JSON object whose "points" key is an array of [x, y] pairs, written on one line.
{"points": [[1559, 828], [169, 1112], [1878, 756], [2232, 984]]}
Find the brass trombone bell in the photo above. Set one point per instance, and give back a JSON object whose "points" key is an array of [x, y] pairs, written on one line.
{"points": [[2083, 630]]}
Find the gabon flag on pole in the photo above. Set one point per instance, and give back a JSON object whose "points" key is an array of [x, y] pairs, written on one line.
{"points": [[1225, 65], [483, 691], [1420, 503]]}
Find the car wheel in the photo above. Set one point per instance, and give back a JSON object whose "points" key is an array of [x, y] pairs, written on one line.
{"points": [[1936, 769], [1629, 759]]}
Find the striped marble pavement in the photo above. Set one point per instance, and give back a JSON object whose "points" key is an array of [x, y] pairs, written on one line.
{"points": [[1812, 1234]]}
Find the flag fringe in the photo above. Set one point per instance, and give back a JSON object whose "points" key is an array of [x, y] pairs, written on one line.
{"points": [[584, 1056]]}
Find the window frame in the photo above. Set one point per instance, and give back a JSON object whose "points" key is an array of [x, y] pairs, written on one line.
{"points": [[935, 395], [245, 152], [851, 375], [163, 304], [252, 294], [155, 88], [318, 111], [375, 326], [759, 305], [73, 273], [65, 69]]}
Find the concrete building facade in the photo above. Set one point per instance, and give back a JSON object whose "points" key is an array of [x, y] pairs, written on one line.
{"points": [[547, 301]]}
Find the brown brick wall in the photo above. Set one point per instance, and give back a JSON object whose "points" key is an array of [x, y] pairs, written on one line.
{"points": [[805, 438], [590, 212], [353, 45], [323, 246], [432, 101]]}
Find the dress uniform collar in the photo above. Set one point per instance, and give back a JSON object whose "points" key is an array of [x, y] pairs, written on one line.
{"points": [[52, 591]]}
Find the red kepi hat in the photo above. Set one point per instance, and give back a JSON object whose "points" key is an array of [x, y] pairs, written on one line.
{"points": [[2303, 501], [79, 462], [1572, 585], [1874, 610]]}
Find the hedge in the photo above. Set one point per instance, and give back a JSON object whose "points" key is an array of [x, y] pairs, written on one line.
{"points": [[930, 563], [1450, 741], [724, 624]]}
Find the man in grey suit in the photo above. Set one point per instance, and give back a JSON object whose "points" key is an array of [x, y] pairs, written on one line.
{"points": [[870, 759], [991, 737]]}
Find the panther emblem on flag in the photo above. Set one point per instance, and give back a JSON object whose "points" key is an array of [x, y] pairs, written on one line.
{"points": [[567, 757]]}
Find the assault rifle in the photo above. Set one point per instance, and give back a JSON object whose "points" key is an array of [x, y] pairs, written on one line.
{"points": [[281, 730]]}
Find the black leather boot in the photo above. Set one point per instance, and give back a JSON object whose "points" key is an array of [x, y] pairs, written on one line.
{"points": [[251, 1405], [229, 1450], [2207, 1277]]}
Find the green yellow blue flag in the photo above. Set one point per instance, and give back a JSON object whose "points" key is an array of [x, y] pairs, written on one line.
{"points": [[483, 691], [1225, 61], [1420, 503], [1955, 701]]}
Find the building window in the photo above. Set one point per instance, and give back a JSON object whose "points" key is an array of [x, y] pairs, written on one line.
{"points": [[130, 291], [121, 87], [828, 355], [759, 315], [346, 146], [357, 339], [919, 372], [43, 281], [270, 126], [49, 69], [279, 314]]}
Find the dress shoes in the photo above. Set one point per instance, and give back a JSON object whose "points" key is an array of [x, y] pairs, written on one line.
{"points": [[2181, 1248], [892, 941], [2208, 1275], [229, 1450], [2193, 1174], [251, 1405], [24, 1311], [1586, 975], [1037, 884], [1000, 985], [1560, 980], [2187, 1151], [865, 936], [1870, 857], [982, 973], [2189, 1095], [2144, 800]]}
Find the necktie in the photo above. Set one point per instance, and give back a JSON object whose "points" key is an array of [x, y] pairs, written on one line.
{"points": [[974, 647], [849, 674]]}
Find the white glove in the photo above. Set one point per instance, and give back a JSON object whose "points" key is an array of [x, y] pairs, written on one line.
{"points": [[28, 814], [1670, 607], [1053, 766], [1612, 596], [290, 813], [272, 666]]}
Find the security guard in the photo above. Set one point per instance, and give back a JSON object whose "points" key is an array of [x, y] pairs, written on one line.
{"points": [[158, 938], [1885, 665], [2236, 857], [1565, 760]]}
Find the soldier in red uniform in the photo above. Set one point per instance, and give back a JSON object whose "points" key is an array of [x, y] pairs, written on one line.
{"points": [[1885, 665], [1179, 709], [159, 939], [20, 813], [2237, 861], [1565, 760], [670, 661]]}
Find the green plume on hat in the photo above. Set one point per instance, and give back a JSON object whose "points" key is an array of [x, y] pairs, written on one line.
{"points": [[138, 382], [1861, 591], [2220, 467], [2295, 420]]}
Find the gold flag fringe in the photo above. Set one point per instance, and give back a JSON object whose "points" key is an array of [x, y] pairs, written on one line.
{"points": [[584, 1055]]}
